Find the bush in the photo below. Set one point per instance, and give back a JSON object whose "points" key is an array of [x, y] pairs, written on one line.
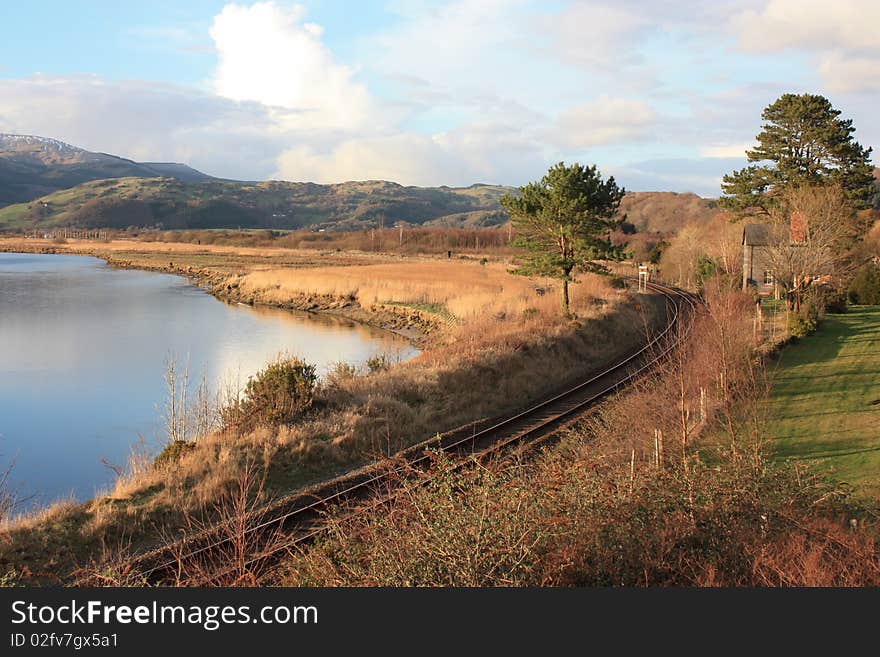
{"points": [[530, 313], [656, 253], [338, 375], [706, 268], [378, 363], [804, 321], [727, 523], [865, 286], [172, 452], [835, 302], [341, 371], [275, 395]]}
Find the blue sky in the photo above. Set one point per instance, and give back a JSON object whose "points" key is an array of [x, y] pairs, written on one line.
{"points": [[663, 95]]}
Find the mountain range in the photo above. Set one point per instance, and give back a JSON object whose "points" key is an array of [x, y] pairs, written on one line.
{"points": [[31, 167], [47, 183]]}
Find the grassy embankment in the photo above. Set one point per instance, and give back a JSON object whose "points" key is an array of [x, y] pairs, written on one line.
{"points": [[496, 343], [642, 494], [825, 402]]}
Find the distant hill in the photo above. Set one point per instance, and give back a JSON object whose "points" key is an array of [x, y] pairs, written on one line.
{"points": [[174, 204], [182, 172], [31, 167], [665, 212], [48, 183]]}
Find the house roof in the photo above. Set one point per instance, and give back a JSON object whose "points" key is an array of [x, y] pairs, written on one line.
{"points": [[756, 235]]}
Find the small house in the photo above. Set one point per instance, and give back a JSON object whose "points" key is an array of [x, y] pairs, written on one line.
{"points": [[756, 267]]}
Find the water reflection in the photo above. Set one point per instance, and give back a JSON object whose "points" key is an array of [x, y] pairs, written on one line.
{"points": [[83, 350]]}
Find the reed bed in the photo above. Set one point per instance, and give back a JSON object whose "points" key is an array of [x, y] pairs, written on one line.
{"points": [[468, 291]]}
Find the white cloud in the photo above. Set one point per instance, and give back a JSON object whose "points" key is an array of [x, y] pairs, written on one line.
{"points": [[846, 72], [605, 120], [595, 35], [447, 43], [472, 153], [405, 158], [269, 54], [144, 121], [726, 150], [700, 176], [812, 24], [839, 36]]}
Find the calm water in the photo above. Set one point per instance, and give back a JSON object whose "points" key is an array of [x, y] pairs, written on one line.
{"points": [[82, 357]]}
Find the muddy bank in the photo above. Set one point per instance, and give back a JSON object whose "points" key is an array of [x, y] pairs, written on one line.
{"points": [[420, 327], [413, 324]]}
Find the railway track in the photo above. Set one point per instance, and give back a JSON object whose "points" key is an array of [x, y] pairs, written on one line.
{"points": [[298, 517]]}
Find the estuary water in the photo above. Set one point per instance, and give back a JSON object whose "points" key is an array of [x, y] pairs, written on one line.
{"points": [[83, 354]]}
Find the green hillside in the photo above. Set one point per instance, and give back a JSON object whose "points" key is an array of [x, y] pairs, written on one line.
{"points": [[174, 204], [33, 166]]}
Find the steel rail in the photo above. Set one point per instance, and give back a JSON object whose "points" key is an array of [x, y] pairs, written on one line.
{"points": [[532, 424]]}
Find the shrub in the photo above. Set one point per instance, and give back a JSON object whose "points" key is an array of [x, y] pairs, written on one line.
{"points": [[530, 313], [728, 523], [656, 253], [378, 363], [341, 371], [706, 268], [275, 395], [865, 286], [804, 321], [835, 302], [172, 452]]}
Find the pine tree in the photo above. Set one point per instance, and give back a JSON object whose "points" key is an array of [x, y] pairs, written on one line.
{"points": [[803, 142], [563, 222]]}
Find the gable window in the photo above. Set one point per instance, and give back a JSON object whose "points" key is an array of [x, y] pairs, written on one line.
{"points": [[768, 278]]}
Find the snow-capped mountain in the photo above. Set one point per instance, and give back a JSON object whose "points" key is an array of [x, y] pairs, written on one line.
{"points": [[10, 142], [32, 166]]}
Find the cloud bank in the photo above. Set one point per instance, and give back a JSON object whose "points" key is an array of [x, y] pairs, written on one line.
{"points": [[665, 97]]}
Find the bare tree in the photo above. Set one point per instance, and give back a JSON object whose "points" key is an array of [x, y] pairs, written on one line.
{"points": [[235, 523], [174, 413], [811, 230], [204, 412], [680, 258], [184, 418], [8, 500], [725, 242]]}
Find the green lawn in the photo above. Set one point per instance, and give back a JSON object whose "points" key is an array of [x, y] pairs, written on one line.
{"points": [[825, 402]]}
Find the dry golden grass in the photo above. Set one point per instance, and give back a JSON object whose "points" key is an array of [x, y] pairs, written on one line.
{"points": [[26, 519], [468, 291], [609, 505], [128, 246], [508, 345]]}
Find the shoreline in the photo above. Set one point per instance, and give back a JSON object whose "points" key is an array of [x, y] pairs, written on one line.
{"points": [[502, 366], [412, 325]]}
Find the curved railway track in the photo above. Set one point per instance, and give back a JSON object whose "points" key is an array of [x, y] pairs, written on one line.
{"points": [[297, 517]]}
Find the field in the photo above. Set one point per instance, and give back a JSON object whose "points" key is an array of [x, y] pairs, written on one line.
{"points": [[460, 290], [183, 257], [825, 403], [491, 342]]}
